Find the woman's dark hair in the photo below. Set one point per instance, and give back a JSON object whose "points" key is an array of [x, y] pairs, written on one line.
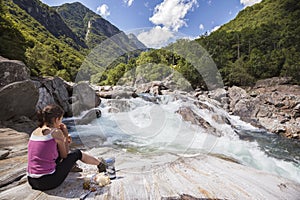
{"points": [[49, 113]]}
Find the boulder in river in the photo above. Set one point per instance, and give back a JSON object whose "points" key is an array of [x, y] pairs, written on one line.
{"points": [[87, 118], [85, 98], [189, 115]]}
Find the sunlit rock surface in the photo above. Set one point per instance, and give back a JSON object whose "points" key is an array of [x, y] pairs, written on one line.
{"points": [[168, 175]]}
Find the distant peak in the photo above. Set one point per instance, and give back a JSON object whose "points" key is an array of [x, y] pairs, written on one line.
{"points": [[74, 3]]}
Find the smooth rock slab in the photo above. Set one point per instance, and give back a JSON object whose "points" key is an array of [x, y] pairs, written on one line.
{"points": [[168, 175]]}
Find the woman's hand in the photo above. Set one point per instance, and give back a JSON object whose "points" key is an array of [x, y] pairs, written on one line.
{"points": [[64, 129], [69, 139]]}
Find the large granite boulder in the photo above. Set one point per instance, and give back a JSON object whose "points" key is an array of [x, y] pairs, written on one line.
{"points": [[53, 90], [12, 71], [84, 98], [18, 99]]}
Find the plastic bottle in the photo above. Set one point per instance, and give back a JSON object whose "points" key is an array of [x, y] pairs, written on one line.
{"points": [[110, 168]]}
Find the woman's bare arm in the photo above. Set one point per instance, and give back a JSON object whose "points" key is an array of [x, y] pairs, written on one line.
{"points": [[62, 143]]}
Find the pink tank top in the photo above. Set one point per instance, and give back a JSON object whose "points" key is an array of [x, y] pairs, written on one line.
{"points": [[42, 153]]}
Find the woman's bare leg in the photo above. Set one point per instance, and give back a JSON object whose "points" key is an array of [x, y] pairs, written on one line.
{"points": [[88, 159]]}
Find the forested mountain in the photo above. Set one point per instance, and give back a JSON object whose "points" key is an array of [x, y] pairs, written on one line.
{"points": [[52, 40], [25, 38], [50, 19], [89, 26], [262, 41]]}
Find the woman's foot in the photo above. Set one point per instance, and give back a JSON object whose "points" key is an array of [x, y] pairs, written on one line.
{"points": [[102, 165]]}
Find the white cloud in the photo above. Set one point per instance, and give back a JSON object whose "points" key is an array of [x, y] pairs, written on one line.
{"points": [[249, 2], [168, 17], [156, 37], [103, 10], [170, 13], [128, 2], [201, 27]]}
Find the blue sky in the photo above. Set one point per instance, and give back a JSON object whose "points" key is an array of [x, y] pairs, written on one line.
{"points": [[157, 22]]}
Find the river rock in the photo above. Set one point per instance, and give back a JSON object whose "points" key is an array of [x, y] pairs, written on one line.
{"points": [[218, 94], [53, 90], [274, 106], [116, 95], [87, 118], [119, 105], [244, 108], [154, 87], [18, 99], [236, 94], [12, 71], [275, 81], [117, 92], [189, 115], [86, 97]]}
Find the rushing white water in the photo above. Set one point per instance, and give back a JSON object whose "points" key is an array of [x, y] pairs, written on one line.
{"points": [[150, 128]]}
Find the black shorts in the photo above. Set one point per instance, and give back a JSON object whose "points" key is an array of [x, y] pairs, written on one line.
{"points": [[62, 170]]}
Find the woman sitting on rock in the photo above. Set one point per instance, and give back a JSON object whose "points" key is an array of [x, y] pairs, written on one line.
{"points": [[49, 160]]}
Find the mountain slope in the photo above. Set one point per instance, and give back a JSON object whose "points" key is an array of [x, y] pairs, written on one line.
{"points": [[89, 26], [50, 19], [267, 12], [262, 41], [43, 52], [136, 41]]}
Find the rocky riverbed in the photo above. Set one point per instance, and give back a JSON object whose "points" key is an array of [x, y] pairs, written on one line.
{"points": [[272, 105]]}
